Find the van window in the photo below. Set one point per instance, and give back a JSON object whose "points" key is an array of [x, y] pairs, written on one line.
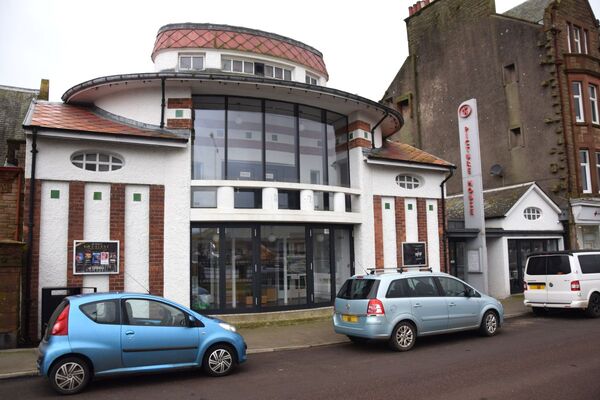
{"points": [[558, 265], [536, 266], [359, 289], [590, 264]]}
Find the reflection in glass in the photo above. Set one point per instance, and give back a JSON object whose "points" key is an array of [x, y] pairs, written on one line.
{"points": [[247, 198], [244, 139], [343, 263], [337, 150], [312, 146], [283, 265], [239, 271], [204, 197], [205, 268], [209, 144], [280, 142], [321, 265]]}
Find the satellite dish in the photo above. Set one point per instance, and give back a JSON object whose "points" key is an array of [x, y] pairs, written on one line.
{"points": [[496, 170]]}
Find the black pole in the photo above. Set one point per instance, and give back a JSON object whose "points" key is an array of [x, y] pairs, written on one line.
{"points": [[444, 234], [30, 224], [162, 103]]}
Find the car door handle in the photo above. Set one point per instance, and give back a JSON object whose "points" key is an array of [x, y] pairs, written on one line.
{"points": [[417, 305], [451, 305], [129, 333]]}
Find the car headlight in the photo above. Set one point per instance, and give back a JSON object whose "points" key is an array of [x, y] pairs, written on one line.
{"points": [[227, 327]]}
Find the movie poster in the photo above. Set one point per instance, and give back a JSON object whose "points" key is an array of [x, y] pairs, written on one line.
{"points": [[96, 257]]}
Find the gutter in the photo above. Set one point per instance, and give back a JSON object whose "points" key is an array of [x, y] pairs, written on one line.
{"points": [[30, 224], [162, 103], [444, 231], [375, 127]]}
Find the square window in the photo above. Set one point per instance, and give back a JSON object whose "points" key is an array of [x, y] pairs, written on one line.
{"points": [[409, 207], [273, 138], [366, 135], [248, 135], [55, 194], [287, 75], [431, 207], [178, 113], [387, 206], [137, 197], [97, 195], [237, 66], [226, 65], [268, 71]]}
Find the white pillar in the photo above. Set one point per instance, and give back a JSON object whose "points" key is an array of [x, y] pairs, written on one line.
{"points": [[270, 199], [307, 200], [225, 198], [339, 202]]}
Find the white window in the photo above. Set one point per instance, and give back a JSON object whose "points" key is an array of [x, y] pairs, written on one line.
{"points": [[585, 39], [532, 213], [577, 39], [594, 103], [256, 68], [100, 162], [311, 80], [407, 181], [191, 63], [577, 101], [569, 37], [598, 168], [584, 171]]}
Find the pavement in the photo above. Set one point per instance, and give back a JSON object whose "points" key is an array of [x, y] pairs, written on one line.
{"points": [[271, 337]]}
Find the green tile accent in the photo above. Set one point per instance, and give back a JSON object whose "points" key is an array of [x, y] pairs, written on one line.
{"points": [[409, 206], [97, 195], [351, 135], [431, 207], [387, 206], [366, 135], [137, 197], [55, 194], [178, 113]]}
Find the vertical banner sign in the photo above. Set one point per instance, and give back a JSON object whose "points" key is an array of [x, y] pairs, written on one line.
{"points": [[468, 127]]}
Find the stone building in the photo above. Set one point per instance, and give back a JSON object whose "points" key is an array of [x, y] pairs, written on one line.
{"points": [[535, 72]]}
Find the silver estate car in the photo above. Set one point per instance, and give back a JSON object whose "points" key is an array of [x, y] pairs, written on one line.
{"points": [[400, 306]]}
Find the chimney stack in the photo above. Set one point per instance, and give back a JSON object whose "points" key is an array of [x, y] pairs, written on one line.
{"points": [[44, 90]]}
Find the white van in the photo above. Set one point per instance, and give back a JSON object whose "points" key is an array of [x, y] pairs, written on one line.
{"points": [[563, 279]]}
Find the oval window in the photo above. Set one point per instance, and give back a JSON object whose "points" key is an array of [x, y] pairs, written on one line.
{"points": [[96, 161], [532, 213], [408, 181]]}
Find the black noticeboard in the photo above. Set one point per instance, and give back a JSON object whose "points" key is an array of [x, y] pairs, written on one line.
{"points": [[95, 257], [414, 254]]}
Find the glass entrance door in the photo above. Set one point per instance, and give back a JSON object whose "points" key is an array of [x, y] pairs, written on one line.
{"points": [[518, 250], [239, 268]]}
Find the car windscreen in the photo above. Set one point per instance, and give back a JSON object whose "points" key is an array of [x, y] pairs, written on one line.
{"points": [[359, 289], [54, 317]]}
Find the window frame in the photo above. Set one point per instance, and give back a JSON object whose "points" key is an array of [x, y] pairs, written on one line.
{"points": [[578, 98], [576, 38], [593, 97], [586, 165], [84, 162], [192, 64], [125, 317], [117, 310], [285, 72], [534, 212], [405, 183]]}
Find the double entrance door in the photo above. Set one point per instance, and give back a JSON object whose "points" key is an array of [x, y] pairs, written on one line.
{"points": [[518, 250], [254, 267]]}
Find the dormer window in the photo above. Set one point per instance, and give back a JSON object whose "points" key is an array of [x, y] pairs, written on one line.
{"points": [[191, 63]]}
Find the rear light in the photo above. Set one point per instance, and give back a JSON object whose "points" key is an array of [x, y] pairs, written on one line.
{"points": [[375, 307], [61, 326], [524, 285], [575, 287]]}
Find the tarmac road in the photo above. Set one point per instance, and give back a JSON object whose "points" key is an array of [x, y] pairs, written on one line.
{"points": [[556, 357]]}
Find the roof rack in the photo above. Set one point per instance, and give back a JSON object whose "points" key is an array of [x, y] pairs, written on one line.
{"points": [[418, 268]]}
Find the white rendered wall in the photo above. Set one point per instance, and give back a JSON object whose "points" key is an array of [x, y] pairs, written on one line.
{"points": [[364, 233], [53, 238], [433, 235], [412, 224], [96, 227], [137, 239], [549, 221], [388, 218], [498, 279], [384, 181]]}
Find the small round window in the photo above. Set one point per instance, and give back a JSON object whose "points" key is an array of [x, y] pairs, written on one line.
{"points": [[408, 181], [532, 213], [100, 162]]}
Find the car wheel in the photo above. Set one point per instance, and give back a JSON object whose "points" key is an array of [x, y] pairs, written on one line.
{"points": [[539, 311], [403, 336], [593, 308], [489, 324], [219, 360], [357, 340], [69, 375]]}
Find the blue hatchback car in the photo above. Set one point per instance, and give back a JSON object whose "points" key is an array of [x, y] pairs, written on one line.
{"points": [[117, 333]]}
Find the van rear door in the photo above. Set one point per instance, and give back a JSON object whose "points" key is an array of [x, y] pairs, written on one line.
{"points": [[535, 277], [559, 277]]}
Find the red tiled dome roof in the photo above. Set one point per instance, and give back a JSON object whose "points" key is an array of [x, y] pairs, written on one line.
{"points": [[178, 36]]}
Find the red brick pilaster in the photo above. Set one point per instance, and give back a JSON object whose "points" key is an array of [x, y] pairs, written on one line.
{"points": [[32, 325], [157, 231], [400, 228], [443, 246], [378, 222], [76, 215], [117, 232], [422, 222]]}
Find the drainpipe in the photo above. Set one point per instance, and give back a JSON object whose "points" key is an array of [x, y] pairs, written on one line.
{"points": [[375, 127], [162, 103], [30, 224], [444, 238]]}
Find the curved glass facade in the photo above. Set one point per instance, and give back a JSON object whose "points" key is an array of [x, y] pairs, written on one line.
{"points": [[238, 138]]}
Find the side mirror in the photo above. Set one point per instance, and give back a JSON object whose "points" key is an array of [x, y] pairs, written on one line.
{"points": [[193, 322], [470, 293]]}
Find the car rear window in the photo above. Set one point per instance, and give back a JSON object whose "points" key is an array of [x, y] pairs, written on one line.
{"points": [[102, 312], [590, 264], [54, 316], [536, 266], [359, 289], [558, 265]]}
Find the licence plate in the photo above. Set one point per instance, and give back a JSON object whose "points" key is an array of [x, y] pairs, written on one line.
{"points": [[536, 286], [350, 318]]}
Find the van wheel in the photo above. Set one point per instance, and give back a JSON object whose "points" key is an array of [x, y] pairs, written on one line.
{"points": [[593, 308], [70, 375], [539, 311], [403, 336], [219, 360], [489, 324]]}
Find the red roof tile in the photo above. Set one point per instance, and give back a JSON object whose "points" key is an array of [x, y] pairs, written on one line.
{"points": [[84, 119], [231, 40], [403, 152]]}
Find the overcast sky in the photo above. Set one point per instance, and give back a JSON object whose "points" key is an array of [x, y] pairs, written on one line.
{"points": [[71, 41]]}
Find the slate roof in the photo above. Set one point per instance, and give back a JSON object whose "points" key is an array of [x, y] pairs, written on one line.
{"points": [[531, 10], [496, 203], [14, 103], [68, 117], [395, 151]]}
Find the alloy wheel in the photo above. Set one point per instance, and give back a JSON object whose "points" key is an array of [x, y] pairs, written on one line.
{"points": [[491, 324], [404, 336], [70, 376], [220, 361]]}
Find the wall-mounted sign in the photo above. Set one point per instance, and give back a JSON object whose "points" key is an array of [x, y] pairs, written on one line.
{"points": [[95, 257], [414, 254]]}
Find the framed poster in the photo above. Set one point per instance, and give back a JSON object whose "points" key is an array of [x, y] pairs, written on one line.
{"points": [[95, 258], [414, 254]]}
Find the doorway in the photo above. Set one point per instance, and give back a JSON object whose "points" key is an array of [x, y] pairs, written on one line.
{"points": [[518, 250]]}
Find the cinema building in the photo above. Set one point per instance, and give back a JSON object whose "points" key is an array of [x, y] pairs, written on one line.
{"points": [[231, 179]]}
